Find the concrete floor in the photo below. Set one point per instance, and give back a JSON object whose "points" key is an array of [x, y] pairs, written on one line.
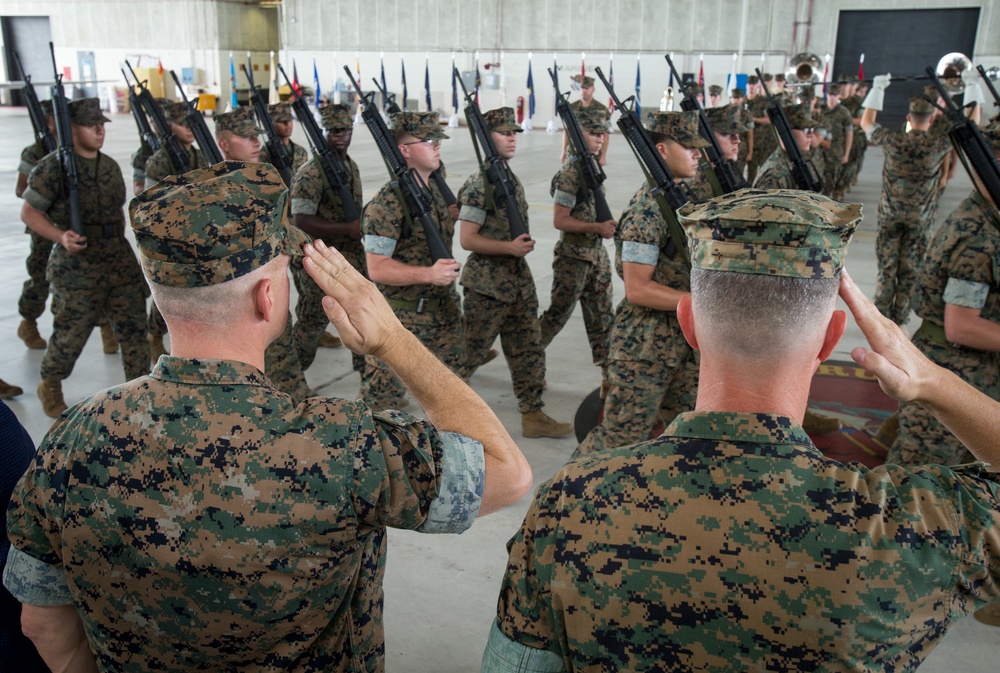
{"points": [[440, 592]]}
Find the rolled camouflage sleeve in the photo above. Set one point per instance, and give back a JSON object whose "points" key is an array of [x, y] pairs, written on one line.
{"points": [[409, 475], [34, 582], [306, 190], [504, 655]]}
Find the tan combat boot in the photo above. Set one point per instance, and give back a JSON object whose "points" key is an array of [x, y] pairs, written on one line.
{"points": [[108, 340], [51, 397], [538, 424], [328, 340], [989, 614], [816, 423], [156, 348], [9, 391], [28, 333]]}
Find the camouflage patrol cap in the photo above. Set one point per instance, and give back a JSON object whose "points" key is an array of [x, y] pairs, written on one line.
{"points": [[336, 117], [768, 232], [740, 93], [280, 112], [174, 111], [586, 81], [798, 116], [768, 77], [715, 90], [679, 126], [592, 119], [46, 107], [920, 106], [86, 112], [502, 120], [727, 119], [752, 79], [806, 93], [991, 134], [213, 224], [420, 125], [696, 89], [240, 121]]}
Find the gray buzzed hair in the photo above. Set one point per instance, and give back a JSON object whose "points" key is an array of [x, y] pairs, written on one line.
{"points": [[756, 316], [217, 304]]}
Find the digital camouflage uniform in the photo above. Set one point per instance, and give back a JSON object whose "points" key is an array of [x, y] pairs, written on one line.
{"points": [[158, 167], [765, 141], [731, 543], [500, 297], [786, 560], [35, 291], [102, 280], [312, 195], [225, 527], [860, 146], [838, 121], [962, 267], [911, 173], [581, 271], [432, 313], [776, 172], [723, 120]]}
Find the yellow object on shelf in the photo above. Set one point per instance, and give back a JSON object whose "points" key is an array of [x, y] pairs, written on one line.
{"points": [[207, 102]]}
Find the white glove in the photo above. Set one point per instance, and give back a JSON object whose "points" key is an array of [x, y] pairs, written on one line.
{"points": [[876, 96], [973, 94], [970, 77], [881, 82]]}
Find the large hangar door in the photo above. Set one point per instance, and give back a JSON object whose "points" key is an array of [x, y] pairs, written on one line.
{"points": [[29, 36], [902, 42]]}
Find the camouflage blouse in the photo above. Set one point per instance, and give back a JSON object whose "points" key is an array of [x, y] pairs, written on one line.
{"points": [[730, 543]]}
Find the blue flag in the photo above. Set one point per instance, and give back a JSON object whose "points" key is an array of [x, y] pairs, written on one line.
{"points": [[454, 88], [402, 64], [638, 107], [427, 83], [384, 87], [315, 83], [232, 83], [531, 93]]}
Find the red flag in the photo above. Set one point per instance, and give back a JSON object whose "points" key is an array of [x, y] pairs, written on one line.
{"points": [[583, 66], [861, 67], [295, 78], [159, 66], [701, 72], [826, 72]]}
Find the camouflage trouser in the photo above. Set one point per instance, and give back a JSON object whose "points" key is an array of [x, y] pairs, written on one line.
{"points": [[35, 291], [576, 280], [520, 338], [899, 248], [75, 312], [922, 439], [281, 364], [639, 394], [157, 326], [833, 172], [445, 341]]}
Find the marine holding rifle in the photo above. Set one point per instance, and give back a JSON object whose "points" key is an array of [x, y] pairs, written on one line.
{"points": [[420, 291], [500, 296], [93, 274]]}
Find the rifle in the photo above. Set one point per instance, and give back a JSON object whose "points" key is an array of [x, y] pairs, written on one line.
{"points": [[804, 173], [198, 127], [178, 157], [669, 195], [35, 113], [280, 157], [989, 85], [416, 199], [593, 174], [965, 136], [495, 168], [71, 178], [336, 173], [392, 108], [724, 171], [141, 120]]}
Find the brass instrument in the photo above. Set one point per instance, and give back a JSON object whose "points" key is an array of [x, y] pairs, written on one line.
{"points": [[803, 70], [667, 102], [950, 69]]}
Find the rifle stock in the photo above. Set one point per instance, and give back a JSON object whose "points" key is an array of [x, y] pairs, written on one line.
{"points": [[67, 157], [495, 168], [333, 167], [417, 200], [593, 174], [35, 112]]}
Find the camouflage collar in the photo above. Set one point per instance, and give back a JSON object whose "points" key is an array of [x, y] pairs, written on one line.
{"points": [[990, 211], [208, 372], [733, 427]]}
